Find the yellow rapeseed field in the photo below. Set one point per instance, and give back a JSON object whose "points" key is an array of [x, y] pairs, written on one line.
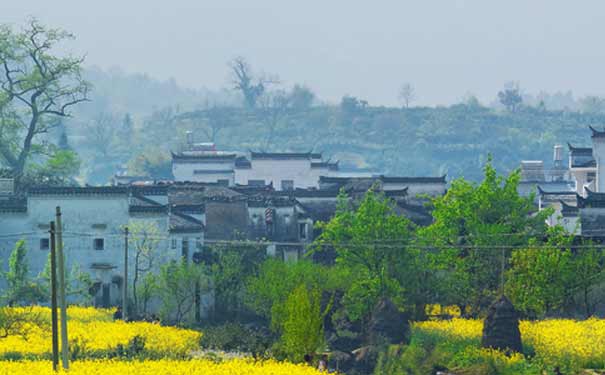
{"points": [[555, 342], [97, 334], [161, 367]]}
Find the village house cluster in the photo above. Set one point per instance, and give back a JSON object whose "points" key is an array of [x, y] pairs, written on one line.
{"points": [[574, 190], [271, 200]]}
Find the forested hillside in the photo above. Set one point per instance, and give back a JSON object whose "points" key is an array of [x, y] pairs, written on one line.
{"points": [[137, 120]]}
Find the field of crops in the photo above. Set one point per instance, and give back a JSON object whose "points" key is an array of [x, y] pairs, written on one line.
{"points": [[99, 345], [94, 334], [161, 367], [568, 344]]}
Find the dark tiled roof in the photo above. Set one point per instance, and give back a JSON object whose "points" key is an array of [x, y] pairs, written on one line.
{"points": [[320, 210], [308, 193], [253, 189], [569, 210], [196, 157], [182, 223], [597, 133], [152, 189], [141, 204], [325, 164], [592, 199], [201, 194], [242, 163], [284, 155], [190, 209], [579, 150], [387, 179], [396, 193], [545, 191], [88, 190], [411, 180], [148, 209], [271, 201], [213, 171]]}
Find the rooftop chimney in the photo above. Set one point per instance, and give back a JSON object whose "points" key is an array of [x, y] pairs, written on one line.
{"points": [[189, 138], [558, 156]]}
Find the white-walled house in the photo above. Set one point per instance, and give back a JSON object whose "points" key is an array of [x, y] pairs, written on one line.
{"points": [[284, 171], [93, 222]]}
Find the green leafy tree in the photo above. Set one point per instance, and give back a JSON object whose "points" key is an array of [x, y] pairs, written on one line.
{"points": [[77, 282], [178, 286], [60, 169], [475, 227], [540, 274], [268, 292], [510, 97], [151, 163], [303, 330], [231, 268], [586, 274], [373, 243], [21, 289], [37, 88]]}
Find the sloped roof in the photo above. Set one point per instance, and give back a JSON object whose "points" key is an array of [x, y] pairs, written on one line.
{"points": [[284, 155], [182, 223]]}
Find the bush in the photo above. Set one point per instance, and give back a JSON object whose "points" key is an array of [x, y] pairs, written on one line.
{"points": [[237, 337], [135, 348]]}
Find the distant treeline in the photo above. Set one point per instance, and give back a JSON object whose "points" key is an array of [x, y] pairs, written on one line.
{"points": [[139, 120]]}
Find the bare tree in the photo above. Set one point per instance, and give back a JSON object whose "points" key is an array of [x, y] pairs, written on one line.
{"points": [[102, 132], [36, 88], [211, 121], [243, 79], [145, 240], [407, 94]]}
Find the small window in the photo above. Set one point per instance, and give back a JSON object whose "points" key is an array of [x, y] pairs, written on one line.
{"points": [[44, 243], [223, 182], [287, 184], [173, 244], [302, 231], [198, 243], [591, 176], [99, 244], [256, 182], [185, 249]]}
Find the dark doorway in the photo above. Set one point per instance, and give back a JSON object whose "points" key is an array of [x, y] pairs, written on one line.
{"points": [[105, 301]]}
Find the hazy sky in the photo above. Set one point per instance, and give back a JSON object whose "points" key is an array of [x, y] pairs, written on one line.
{"points": [[445, 48]]}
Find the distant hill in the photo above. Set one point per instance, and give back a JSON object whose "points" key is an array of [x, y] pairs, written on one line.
{"points": [[418, 141]]}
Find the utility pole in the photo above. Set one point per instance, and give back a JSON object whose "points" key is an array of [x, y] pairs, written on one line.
{"points": [[62, 289], [53, 297], [125, 282]]}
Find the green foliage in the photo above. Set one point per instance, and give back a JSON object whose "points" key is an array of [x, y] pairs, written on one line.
{"points": [[233, 336], [60, 169], [540, 275], [21, 289], [144, 240], [151, 163], [372, 242], [178, 285], [475, 227], [303, 328], [430, 352], [231, 268], [37, 88], [77, 282], [268, 292], [587, 270]]}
